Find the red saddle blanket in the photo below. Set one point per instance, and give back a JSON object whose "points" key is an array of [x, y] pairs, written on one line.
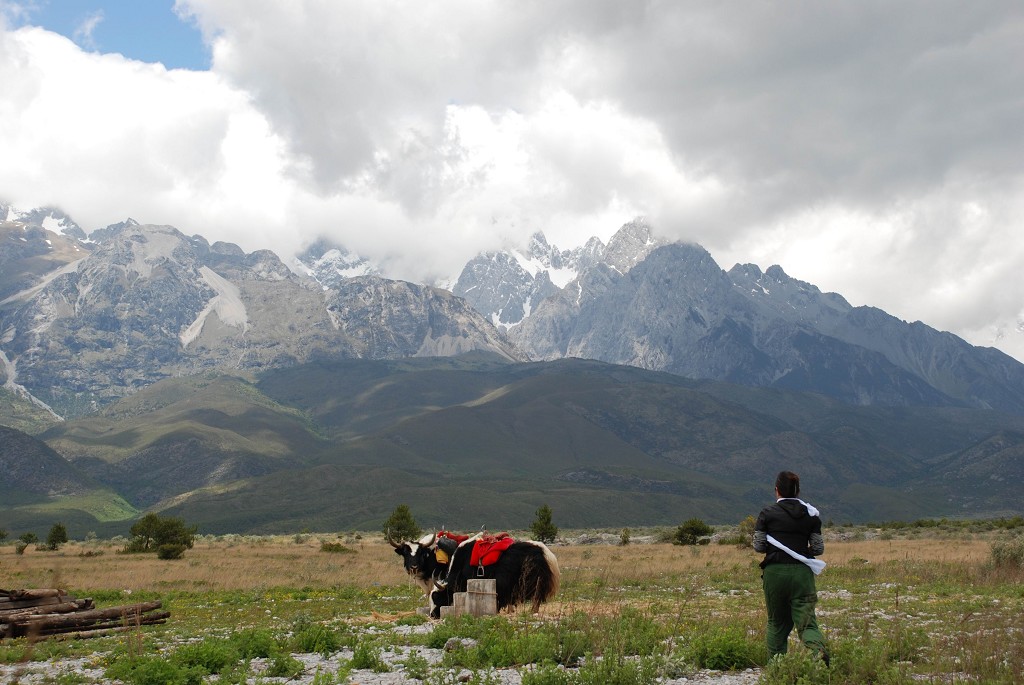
{"points": [[452, 536], [489, 548]]}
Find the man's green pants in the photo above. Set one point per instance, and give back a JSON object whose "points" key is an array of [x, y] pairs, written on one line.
{"points": [[790, 596]]}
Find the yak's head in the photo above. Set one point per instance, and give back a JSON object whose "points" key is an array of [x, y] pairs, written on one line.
{"points": [[418, 556]]}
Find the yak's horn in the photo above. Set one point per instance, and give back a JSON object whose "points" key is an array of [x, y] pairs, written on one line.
{"points": [[391, 542]]}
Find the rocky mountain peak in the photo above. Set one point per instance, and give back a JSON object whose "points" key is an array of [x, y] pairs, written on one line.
{"points": [[148, 302], [630, 245], [48, 218], [330, 264]]}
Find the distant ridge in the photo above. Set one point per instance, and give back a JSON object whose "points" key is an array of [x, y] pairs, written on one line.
{"points": [[478, 440]]}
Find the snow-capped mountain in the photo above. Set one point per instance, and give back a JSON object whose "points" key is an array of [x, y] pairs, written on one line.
{"points": [[331, 265], [148, 302], [47, 218], [84, 322], [508, 285]]}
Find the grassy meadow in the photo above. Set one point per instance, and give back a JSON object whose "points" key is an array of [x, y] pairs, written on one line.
{"points": [[942, 604]]}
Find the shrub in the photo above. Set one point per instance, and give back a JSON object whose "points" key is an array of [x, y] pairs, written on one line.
{"points": [[542, 528], [723, 649], [336, 548], [57, 536], [798, 666], [401, 525], [614, 669], [170, 551], [212, 655], [254, 643], [151, 670], [284, 666], [1008, 554], [366, 655], [691, 531], [547, 674], [317, 639], [151, 532], [416, 666], [624, 537]]}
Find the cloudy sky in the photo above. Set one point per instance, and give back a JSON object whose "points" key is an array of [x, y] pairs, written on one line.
{"points": [[873, 148]]}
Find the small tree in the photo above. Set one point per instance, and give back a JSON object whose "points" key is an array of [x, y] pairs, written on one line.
{"points": [[24, 540], [747, 527], [401, 525], [624, 537], [691, 531], [542, 528], [57, 536], [152, 532], [3, 534]]}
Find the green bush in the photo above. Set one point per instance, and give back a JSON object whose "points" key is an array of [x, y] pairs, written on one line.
{"points": [[797, 667], [416, 666], [151, 670], [170, 551], [614, 669], [336, 548], [211, 655], [366, 655], [284, 666], [691, 531], [1008, 554], [316, 639], [542, 528], [255, 643], [57, 536], [151, 532], [547, 674], [723, 648], [401, 525]]}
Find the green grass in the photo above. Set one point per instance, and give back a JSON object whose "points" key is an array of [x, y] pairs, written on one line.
{"points": [[103, 505], [902, 621]]}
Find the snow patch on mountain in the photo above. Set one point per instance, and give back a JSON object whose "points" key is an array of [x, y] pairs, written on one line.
{"points": [[12, 386], [331, 265], [226, 304], [29, 293], [155, 246]]}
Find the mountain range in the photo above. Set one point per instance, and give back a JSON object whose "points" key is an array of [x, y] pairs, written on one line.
{"points": [[101, 334]]}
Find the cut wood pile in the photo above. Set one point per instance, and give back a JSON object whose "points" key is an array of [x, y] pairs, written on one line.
{"points": [[46, 612]]}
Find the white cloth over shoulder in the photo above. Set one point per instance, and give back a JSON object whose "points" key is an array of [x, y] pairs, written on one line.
{"points": [[811, 510], [815, 565]]}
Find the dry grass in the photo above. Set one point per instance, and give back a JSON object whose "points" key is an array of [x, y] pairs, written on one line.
{"points": [[281, 562], [215, 565]]}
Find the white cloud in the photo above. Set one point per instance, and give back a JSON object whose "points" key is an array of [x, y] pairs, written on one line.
{"points": [[870, 148], [83, 33]]}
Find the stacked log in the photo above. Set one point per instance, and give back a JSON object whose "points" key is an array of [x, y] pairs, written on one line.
{"points": [[50, 612]]}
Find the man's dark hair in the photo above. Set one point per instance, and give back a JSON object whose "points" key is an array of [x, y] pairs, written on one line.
{"points": [[788, 484]]}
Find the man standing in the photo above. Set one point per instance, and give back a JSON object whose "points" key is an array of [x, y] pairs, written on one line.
{"points": [[789, 534]]}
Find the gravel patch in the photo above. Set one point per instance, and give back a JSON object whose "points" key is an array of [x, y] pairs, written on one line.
{"points": [[43, 672]]}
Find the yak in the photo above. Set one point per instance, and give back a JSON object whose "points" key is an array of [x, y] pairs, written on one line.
{"points": [[526, 571], [426, 559]]}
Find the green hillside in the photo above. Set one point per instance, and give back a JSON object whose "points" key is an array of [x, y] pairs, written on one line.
{"points": [[470, 442]]}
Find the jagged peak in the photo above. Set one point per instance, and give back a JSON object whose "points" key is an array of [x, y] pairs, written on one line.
{"points": [[538, 244]]}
